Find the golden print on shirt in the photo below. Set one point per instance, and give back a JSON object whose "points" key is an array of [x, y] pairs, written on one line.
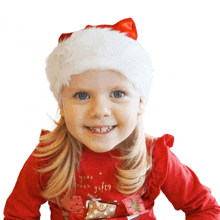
{"points": [[99, 210], [83, 184]]}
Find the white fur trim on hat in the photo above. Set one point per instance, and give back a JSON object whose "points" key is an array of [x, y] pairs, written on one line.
{"points": [[99, 48]]}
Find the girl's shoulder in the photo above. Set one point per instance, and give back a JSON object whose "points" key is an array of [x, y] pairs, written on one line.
{"points": [[43, 132], [158, 148], [159, 143]]}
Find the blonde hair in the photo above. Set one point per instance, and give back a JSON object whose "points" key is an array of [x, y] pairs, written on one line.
{"points": [[136, 162], [64, 153]]}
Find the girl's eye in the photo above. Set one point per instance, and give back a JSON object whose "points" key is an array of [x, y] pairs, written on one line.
{"points": [[83, 95], [117, 93]]}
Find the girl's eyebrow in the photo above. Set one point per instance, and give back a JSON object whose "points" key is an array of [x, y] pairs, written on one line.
{"points": [[121, 86]]}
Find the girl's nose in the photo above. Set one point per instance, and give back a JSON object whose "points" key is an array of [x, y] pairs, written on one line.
{"points": [[99, 108]]}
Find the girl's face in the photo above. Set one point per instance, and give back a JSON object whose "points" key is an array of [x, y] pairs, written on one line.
{"points": [[100, 98]]}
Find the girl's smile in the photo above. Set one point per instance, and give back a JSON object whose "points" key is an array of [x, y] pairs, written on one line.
{"points": [[101, 131], [100, 108]]}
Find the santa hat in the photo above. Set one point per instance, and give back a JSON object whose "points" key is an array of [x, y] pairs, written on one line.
{"points": [[102, 47]]}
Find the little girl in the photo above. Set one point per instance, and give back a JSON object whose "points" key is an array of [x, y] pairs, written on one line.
{"points": [[98, 163]]}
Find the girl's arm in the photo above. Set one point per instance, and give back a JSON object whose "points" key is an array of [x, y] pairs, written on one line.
{"points": [[184, 190], [25, 199]]}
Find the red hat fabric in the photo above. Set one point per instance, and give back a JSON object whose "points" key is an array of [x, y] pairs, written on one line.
{"points": [[127, 26]]}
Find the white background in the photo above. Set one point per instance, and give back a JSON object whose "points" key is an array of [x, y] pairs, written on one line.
{"points": [[182, 38]]}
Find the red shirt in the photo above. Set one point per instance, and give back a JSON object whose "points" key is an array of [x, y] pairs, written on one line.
{"points": [[97, 198]]}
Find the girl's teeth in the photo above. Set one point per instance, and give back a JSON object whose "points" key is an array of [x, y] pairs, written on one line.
{"points": [[102, 130]]}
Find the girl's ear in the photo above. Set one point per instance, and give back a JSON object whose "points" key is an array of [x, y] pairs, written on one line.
{"points": [[61, 111], [141, 107]]}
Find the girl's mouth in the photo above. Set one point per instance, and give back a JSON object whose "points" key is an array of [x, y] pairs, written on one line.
{"points": [[101, 131]]}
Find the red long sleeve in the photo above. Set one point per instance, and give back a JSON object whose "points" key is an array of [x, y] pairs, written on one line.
{"points": [[184, 190], [25, 199]]}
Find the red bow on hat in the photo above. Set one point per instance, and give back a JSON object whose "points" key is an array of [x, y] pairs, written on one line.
{"points": [[124, 26]]}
